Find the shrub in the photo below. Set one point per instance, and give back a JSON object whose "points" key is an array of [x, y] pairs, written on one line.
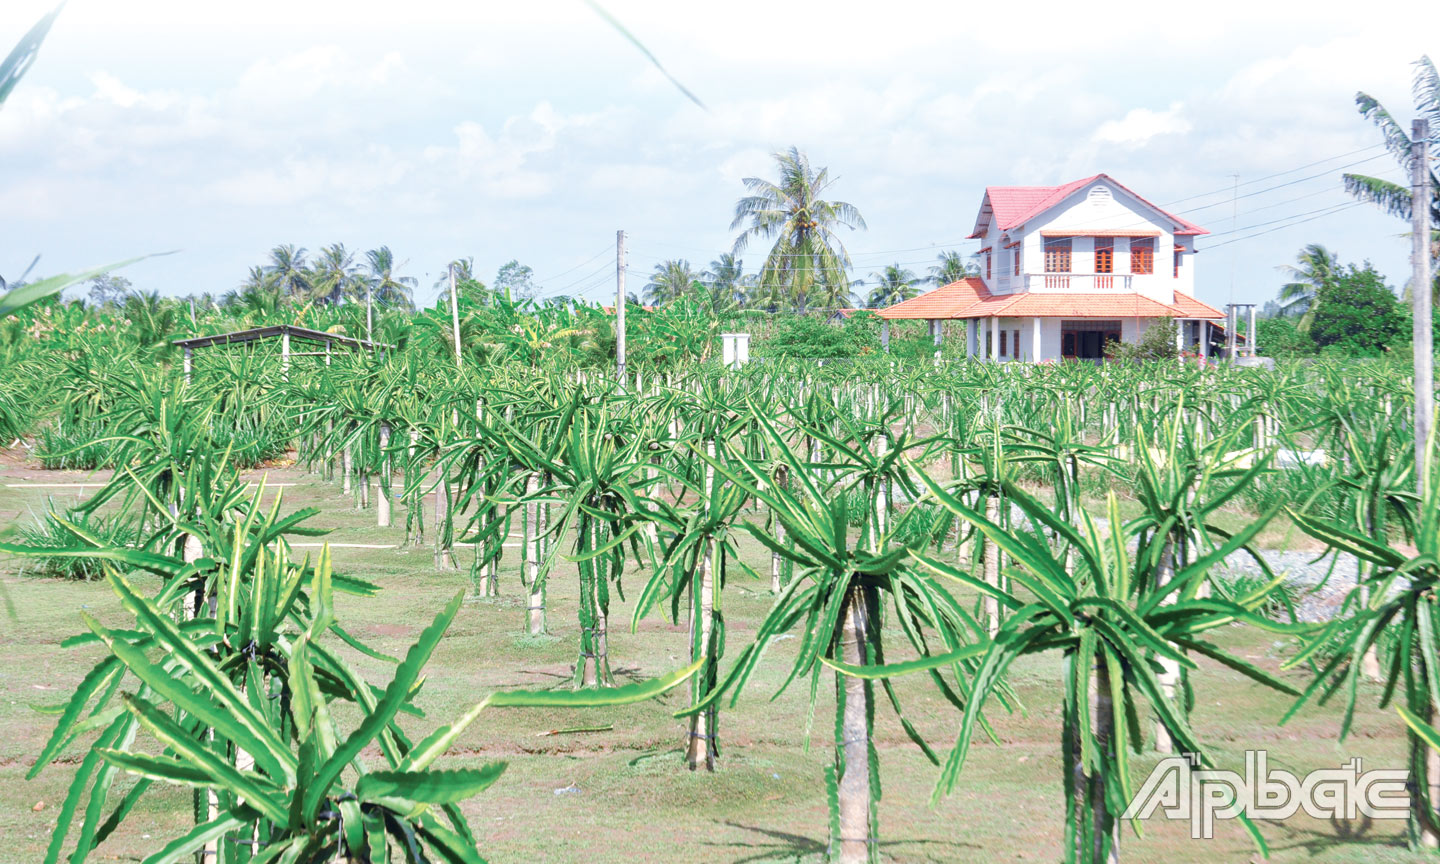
{"points": [[1156, 343], [814, 337], [1358, 314], [1282, 337]]}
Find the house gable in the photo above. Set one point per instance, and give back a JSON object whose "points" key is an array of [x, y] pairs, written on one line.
{"points": [[1015, 207]]}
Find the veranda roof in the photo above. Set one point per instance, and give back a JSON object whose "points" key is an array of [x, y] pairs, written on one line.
{"points": [[969, 298]]}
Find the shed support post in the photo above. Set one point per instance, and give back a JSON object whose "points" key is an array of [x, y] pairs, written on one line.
{"points": [[189, 352]]}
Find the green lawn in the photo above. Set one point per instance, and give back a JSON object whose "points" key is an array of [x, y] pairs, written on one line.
{"points": [[624, 794]]}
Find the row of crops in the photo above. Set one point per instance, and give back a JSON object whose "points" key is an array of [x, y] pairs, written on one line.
{"points": [[938, 521]]}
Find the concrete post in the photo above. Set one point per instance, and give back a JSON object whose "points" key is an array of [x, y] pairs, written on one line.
{"points": [[1036, 355], [885, 335], [382, 498], [1252, 335], [995, 339], [188, 354], [971, 337]]}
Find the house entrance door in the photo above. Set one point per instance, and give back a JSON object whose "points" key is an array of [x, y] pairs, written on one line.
{"points": [[1086, 340]]}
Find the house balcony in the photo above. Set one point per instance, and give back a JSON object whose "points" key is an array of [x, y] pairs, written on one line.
{"points": [[1085, 283]]}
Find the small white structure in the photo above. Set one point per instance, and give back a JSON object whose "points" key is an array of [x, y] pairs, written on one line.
{"points": [[1066, 269], [735, 349]]}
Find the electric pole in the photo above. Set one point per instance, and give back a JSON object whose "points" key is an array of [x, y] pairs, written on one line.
{"points": [[620, 306], [1423, 338]]}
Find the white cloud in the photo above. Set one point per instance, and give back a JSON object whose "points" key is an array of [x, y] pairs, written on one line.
{"points": [[1139, 125]]}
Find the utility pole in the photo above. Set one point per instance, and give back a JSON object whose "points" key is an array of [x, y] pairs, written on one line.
{"points": [[455, 313], [1423, 338], [620, 306]]}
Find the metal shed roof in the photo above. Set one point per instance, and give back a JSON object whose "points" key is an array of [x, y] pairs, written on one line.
{"points": [[258, 333]]}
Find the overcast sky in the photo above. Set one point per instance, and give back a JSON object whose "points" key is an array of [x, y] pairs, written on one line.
{"points": [[533, 130]]}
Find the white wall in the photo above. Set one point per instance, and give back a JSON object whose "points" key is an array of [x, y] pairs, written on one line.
{"points": [[1121, 212]]}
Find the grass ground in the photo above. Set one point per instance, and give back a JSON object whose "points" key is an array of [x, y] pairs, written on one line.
{"points": [[624, 794]]}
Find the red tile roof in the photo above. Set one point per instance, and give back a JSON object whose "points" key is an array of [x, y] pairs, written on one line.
{"points": [[1015, 205], [947, 301], [969, 298], [1194, 308]]}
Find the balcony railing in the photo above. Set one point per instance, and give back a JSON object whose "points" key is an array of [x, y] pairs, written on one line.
{"points": [[1083, 282]]}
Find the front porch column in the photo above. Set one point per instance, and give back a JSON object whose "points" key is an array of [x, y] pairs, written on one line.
{"points": [[972, 337], [995, 339], [1205, 339], [1035, 353], [885, 335], [935, 332], [1180, 336]]}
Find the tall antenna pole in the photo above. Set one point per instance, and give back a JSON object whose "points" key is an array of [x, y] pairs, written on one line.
{"points": [[455, 313], [1420, 289], [620, 306]]}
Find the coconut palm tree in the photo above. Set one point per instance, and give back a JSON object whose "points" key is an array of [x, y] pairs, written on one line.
{"points": [[726, 274], [288, 271], [671, 280], [892, 285], [1314, 267], [335, 276], [952, 268], [384, 286], [1395, 198], [464, 273], [806, 251], [151, 318]]}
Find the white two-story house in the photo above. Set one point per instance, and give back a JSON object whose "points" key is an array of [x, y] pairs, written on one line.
{"points": [[1066, 269]]}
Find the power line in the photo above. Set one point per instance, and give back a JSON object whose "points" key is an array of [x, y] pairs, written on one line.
{"points": [[1281, 219], [603, 268], [576, 267], [1332, 211], [1273, 176]]}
